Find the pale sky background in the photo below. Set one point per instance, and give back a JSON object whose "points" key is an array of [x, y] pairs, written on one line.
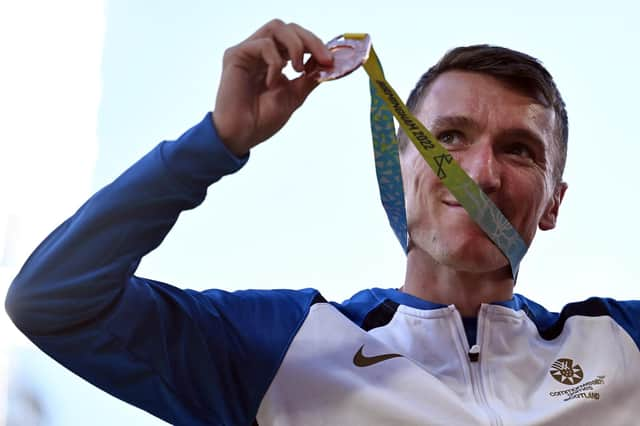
{"points": [[87, 87]]}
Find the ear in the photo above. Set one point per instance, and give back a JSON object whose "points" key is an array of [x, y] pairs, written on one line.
{"points": [[550, 215]]}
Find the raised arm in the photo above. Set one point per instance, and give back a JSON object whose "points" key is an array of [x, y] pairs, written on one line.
{"points": [[187, 357]]}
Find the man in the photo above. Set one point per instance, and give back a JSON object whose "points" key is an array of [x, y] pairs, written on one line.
{"points": [[453, 346]]}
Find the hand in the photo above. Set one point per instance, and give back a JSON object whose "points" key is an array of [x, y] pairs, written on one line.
{"points": [[255, 99]]}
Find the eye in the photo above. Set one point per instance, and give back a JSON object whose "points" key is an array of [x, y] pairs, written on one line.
{"points": [[450, 137], [520, 150]]}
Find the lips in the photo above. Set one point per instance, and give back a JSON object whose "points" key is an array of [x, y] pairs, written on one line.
{"points": [[457, 206], [452, 203]]}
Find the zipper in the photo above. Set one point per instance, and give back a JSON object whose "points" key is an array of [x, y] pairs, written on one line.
{"points": [[474, 362]]}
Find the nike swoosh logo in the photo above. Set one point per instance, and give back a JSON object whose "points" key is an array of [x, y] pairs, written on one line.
{"points": [[361, 360]]}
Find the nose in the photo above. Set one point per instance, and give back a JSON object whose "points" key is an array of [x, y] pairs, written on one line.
{"points": [[482, 166]]}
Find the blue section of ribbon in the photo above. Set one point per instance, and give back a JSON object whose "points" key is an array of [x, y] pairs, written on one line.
{"points": [[387, 160]]}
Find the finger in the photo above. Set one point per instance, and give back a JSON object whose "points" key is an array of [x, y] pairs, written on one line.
{"points": [[314, 45], [273, 59], [255, 55], [303, 86], [310, 42], [289, 40], [267, 29]]}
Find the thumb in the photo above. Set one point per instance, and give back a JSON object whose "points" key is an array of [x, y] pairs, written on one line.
{"points": [[302, 86]]}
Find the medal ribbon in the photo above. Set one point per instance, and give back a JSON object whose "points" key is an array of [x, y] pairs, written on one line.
{"points": [[386, 104]]}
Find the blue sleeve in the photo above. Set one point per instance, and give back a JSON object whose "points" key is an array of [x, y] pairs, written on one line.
{"points": [[187, 357]]}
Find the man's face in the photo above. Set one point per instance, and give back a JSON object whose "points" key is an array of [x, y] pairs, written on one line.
{"points": [[505, 141]]}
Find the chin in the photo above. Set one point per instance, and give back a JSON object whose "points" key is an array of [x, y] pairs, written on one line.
{"points": [[474, 253]]}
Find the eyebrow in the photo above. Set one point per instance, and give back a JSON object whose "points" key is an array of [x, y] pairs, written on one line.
{"points": [[524, 134], [455, 121]]}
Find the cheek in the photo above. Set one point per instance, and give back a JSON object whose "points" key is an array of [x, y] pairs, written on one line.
{"points": [[524, 203], [420, 184]]}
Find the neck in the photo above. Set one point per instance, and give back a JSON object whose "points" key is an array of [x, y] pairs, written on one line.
{"points": [[429, 280]]}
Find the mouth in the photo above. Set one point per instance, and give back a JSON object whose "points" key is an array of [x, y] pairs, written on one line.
{"points": [[452, 203]]}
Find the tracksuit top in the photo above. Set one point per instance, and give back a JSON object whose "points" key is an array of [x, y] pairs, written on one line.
{"points": [[289, 357]]}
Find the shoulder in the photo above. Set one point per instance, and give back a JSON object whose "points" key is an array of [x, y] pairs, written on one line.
{"points": [[626, 313]]}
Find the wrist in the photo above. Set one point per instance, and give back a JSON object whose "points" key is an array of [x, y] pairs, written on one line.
{"points": [[234, 146]]}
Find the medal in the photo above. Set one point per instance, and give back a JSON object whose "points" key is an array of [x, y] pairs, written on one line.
{"points": [[348, 55]]}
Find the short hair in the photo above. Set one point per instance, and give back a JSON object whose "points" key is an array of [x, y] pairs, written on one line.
{"points": [[518, 70]]}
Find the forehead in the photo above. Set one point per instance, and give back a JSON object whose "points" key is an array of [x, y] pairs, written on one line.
{"points": [[486, 100]]}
